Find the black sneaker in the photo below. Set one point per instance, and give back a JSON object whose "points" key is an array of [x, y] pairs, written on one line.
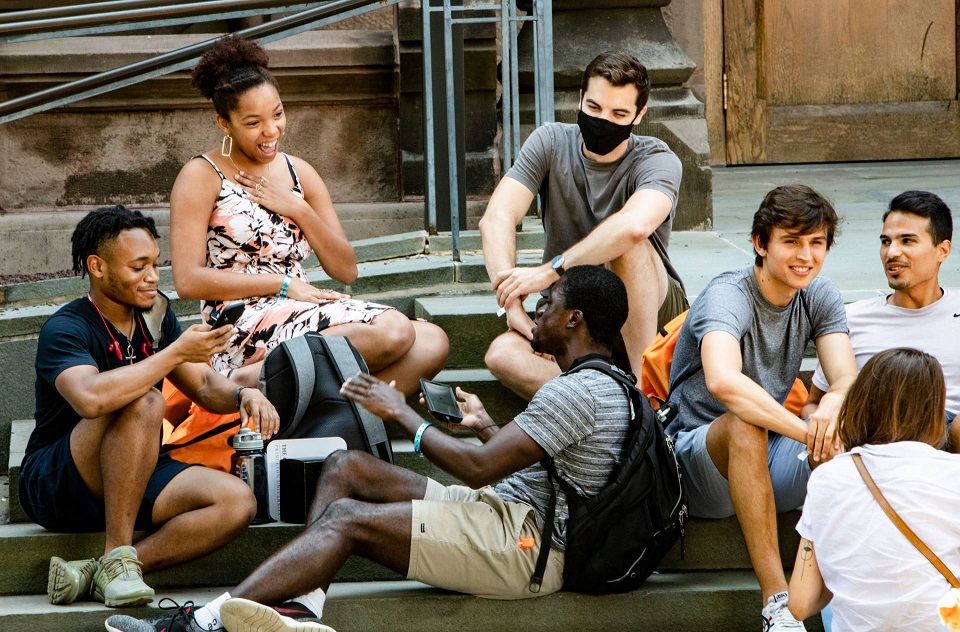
{"points": [[180, 621]]}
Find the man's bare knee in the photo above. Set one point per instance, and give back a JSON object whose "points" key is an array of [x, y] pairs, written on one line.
{"points": [[730, 438], [342, 515], [146, 410], [501, 356], [344, 466]]}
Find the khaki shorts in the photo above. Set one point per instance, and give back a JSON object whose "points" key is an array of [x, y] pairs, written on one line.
{"points": [[466, 540]]}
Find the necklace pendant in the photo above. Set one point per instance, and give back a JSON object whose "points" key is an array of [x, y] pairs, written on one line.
{"points": [[130, 357]]}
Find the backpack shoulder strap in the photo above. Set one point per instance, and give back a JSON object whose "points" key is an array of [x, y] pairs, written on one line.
{"points": [[546, 536], [627, 379], [301, 361], [343, 357]]}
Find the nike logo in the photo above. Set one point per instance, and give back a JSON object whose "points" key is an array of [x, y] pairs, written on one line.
{"points": [[956, 315]]}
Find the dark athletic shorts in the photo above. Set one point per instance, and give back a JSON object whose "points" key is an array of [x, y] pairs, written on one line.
{"points": [[54, 495]]}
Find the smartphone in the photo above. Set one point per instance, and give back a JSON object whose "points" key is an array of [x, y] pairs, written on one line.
{"points": [[441, 401], [228, 315]]}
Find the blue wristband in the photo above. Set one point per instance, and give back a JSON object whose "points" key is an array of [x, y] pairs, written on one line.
{"points": [[285, 286], [418, 436]]}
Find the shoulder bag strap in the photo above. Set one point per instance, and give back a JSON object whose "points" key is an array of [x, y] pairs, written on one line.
{"points": [[904, 529]]}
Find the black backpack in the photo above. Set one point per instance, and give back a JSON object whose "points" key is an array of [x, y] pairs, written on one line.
{"points": [[618, 537], [302, 377]]}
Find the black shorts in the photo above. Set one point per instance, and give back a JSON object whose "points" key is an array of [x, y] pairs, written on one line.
{"points": [[53, 493]]}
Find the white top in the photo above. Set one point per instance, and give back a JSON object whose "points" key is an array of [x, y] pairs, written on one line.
{"points": [[879, 580], [876, 326]]}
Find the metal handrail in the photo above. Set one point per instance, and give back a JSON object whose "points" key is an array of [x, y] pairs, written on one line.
{"points": [[156, 15], [180, 59], [80, 9], [541, 20], [143, 13]]}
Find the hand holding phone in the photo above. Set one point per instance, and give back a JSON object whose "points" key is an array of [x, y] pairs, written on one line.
{"points": [[441, 401], [229, 315]]}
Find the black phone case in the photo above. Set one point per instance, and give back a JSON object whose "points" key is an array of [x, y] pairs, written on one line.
{"points": [[229, 315], [441, 401]]}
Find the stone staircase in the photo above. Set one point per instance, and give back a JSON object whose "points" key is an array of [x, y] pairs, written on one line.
{"points": [[710, 586]]}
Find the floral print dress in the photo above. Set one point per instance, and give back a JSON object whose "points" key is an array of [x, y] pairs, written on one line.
{"points": [[246, 238]]}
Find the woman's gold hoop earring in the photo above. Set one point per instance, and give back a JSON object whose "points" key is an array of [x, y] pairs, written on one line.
{"points": [[226, 147]]}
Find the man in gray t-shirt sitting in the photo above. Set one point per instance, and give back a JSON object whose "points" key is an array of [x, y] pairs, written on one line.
{"points": [[608, 196], [480, 540], [736, 358]]}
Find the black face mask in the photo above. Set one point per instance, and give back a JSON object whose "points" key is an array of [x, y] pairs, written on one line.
{"points": [[600, 136]]}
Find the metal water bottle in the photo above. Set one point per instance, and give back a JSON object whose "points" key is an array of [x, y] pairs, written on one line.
{"points": [[249, 464]]}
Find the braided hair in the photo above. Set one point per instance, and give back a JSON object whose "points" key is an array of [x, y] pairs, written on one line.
{"points": [[102, 226], [233, 66]]}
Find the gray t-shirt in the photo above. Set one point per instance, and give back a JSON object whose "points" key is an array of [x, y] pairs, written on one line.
{"points": [[578, 193], [581, 420], [772, 339]]}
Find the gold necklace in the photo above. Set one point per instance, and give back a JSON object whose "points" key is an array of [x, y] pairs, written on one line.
{"points": [[239, 170]]}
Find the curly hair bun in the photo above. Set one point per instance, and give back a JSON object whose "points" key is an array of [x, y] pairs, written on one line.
{"points": [[228, 54]]}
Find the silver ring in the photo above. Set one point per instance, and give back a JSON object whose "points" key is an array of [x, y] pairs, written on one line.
{"points": [[258, 188]]}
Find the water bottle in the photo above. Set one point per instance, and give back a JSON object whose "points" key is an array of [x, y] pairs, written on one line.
{"points": [[249, 464]]}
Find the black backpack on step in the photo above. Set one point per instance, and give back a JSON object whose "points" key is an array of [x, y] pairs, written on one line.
{"points": [[302, 377], [618, 537]]}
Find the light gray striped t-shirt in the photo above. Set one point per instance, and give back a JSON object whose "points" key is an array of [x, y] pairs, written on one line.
{"points": [[581, 420]]}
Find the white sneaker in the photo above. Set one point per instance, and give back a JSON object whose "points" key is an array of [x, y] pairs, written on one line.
{"points": [[777, 617]]}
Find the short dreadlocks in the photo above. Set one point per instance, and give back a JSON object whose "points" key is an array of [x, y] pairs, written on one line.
{"points": [[101, 226]]}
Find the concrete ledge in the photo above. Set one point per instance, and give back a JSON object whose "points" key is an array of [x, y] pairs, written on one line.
{"points": [[720, 602], [471, 323]]}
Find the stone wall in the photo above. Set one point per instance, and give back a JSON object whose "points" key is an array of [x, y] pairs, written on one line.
{"points": [[340, 88]]}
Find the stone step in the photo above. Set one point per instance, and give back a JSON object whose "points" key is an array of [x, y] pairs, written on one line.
{"points": [[471, 323], [718, 601], [709, 545]]}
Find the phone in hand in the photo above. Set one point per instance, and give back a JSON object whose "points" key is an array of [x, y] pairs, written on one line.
{"points": [[441, 401], [229, 315]]}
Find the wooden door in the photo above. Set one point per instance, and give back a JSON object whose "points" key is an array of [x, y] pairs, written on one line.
{"points": [[840, 80]]}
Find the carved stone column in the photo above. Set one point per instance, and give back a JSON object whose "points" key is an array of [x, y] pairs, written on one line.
{"points": [[581, 31]]}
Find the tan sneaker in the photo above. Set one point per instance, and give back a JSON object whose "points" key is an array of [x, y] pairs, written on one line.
{"points": [[243, 615], [68, 581], [118, 583]]}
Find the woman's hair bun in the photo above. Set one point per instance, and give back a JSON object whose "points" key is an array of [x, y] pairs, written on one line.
{"points": [[229, 53]]}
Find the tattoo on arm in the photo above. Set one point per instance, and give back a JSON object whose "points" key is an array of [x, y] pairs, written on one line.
{"points": [[806, 553]]}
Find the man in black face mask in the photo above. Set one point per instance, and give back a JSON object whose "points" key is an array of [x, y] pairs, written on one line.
{"points": [[608, 197]]}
